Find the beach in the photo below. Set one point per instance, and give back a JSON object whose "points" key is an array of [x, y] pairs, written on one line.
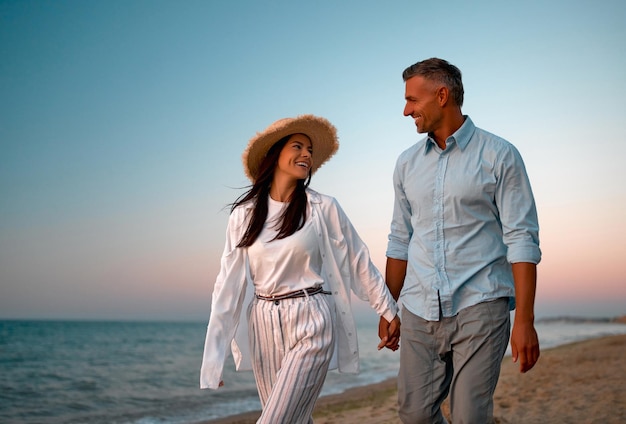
{"points": [[581, 382]]}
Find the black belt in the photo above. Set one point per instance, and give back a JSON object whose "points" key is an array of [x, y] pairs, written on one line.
{"points": [[300, 293]]}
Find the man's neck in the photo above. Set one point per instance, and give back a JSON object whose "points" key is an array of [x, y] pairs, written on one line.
{"points": [[447, 128]]}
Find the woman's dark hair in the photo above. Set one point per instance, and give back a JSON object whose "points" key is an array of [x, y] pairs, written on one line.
{"points": [[293, 217]]}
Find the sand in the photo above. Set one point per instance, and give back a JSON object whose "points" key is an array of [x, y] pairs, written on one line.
{"points": [[583, 382]]}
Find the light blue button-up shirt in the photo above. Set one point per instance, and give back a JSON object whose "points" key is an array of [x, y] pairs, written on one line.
{"points": [[461, 217]]}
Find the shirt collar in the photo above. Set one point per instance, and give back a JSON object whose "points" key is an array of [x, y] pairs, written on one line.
{"points": [[461, 136], [314, 196]]}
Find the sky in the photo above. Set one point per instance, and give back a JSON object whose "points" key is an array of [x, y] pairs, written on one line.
{"points": [[122, 124]]}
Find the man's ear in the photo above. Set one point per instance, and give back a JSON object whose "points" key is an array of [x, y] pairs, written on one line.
{"points": [[443, 95]]}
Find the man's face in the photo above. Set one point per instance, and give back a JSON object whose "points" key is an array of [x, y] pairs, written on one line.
{"points": [[422, 104]]}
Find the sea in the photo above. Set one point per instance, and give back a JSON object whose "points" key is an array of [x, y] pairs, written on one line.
{"points": [[148, 372]]}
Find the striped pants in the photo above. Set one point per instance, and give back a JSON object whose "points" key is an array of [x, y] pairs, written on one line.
{"points": [[291, 342]]}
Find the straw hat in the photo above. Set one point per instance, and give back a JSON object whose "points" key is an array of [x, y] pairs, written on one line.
{"points": [[322, 133]]}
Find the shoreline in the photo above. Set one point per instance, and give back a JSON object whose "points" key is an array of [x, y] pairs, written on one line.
{"points": [[581, 382]]}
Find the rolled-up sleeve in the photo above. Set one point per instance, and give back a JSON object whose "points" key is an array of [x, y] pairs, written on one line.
{"points": [[401, 228], [518, 212]]}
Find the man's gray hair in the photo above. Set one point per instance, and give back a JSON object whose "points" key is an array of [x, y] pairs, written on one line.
{"points": [[440, 71]]}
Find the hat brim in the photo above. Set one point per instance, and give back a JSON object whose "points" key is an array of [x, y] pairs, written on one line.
{"points": [[321, 132]]}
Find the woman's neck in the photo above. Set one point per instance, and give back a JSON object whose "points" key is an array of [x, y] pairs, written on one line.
{"points": [[281, 190]]}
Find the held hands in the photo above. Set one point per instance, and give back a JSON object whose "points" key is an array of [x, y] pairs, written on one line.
{"points": [[389, 333]]}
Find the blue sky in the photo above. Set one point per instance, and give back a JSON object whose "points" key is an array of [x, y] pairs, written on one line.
{"points": [[122, 124]]}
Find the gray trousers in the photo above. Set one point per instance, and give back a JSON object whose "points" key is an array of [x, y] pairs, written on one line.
{"points": [[458, 356], [291, 342]]}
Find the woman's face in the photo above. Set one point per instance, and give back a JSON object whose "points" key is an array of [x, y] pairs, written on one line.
{"points": [[295, 158]]}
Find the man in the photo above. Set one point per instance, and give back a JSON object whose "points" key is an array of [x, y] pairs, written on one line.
{"points": [[462, 253]]}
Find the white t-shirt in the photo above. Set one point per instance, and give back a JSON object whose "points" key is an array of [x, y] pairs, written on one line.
{"points": [[285, 265]]}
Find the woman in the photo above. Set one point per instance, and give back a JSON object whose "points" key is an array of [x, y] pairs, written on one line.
{"points": [[292, 256]]}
